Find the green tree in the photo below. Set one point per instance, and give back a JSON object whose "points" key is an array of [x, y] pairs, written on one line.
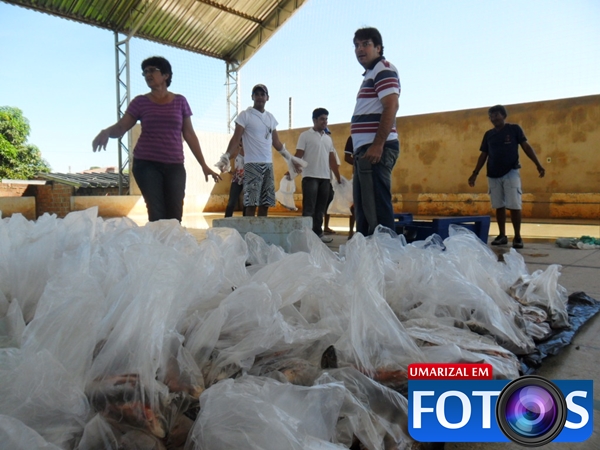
{"points": [[18, 159]]}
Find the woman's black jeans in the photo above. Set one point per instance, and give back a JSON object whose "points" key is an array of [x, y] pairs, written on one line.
{"points": [[162, 186]]}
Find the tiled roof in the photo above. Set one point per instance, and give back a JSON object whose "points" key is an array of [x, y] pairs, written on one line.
{"points": [[86, 180]]}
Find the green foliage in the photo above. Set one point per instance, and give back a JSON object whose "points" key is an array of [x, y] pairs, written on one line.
{"points": [[13, 126], [18, 159]]}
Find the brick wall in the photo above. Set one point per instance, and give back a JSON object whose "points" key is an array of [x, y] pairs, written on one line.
{"points": [[97, 191], [14, 190], [54, 198]]}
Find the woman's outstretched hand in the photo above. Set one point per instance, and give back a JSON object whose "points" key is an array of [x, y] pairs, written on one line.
{"points": [[100, 141]]}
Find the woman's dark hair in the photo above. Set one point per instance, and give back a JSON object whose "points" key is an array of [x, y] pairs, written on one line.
{"points": [[363, 34], [160, 63], [498, 109], [319, 112]]}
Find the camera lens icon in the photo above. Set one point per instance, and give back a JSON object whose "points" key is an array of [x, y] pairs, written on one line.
{"points": [[531, 411]]}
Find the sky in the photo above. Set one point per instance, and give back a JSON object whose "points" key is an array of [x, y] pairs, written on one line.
{"points": [[451, 55]]}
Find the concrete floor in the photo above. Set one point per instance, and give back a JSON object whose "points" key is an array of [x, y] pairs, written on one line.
{"points": [[580, 272]]}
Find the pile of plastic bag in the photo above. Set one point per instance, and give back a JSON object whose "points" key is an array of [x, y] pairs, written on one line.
{"points": [[117, 336], [584, 242]]}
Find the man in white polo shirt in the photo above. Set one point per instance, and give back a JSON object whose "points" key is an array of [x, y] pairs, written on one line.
{"points": [[315, 147]]}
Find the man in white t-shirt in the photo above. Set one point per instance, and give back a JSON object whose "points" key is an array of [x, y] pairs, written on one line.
{"points": [[315, 147], [255, 128]]}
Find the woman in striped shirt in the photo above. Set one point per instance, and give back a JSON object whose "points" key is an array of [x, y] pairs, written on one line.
{"points": [[158, 155]]}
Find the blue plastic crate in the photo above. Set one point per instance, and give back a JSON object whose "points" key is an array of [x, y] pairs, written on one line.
{"points": [[422, 229]]}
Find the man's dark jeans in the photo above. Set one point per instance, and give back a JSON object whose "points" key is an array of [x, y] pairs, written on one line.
{"points": [[162, 186], [372, 189], [315, 194]]}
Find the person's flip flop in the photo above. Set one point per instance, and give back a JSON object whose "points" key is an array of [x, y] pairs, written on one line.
{"points": [[329, 231]]}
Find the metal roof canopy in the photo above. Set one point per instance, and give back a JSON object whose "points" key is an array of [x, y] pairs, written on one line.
{"points": [[230, 30]]}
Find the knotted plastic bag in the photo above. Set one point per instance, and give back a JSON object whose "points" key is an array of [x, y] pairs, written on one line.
{"points": [[342, 198], [285, 194]]}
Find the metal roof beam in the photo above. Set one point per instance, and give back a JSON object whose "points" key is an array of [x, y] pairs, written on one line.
{"points": [[150, 7], [230, 10], [282, 12]]}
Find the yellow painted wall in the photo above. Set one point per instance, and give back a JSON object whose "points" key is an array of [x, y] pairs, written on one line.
{"points": [[111, 205], [21, 205], [439, 151]]}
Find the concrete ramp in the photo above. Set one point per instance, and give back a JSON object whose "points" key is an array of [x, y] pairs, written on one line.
{"points": [[274, 230]]}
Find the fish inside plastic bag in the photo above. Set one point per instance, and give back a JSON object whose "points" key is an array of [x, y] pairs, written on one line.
{"points": [[373, 414], [541, 289], [285, 194], [124, 327]]}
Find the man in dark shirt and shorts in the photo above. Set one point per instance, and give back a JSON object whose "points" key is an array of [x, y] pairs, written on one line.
{"points": [[500, 148]]}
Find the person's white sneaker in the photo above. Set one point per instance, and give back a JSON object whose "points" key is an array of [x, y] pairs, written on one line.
{"points": [[326, 239]]}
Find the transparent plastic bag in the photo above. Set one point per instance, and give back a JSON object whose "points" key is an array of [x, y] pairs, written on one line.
{"points": [[234, 253], [478, 264], [285, 194], [260, 253], [321, 256], [343, 198], [254, 412], [245, 323], [378, 416], [250, 324], [284, 278], [98, 435], [542, 289], [178, 369], [136, 339], [446, 343], [39, 392], [449, 294], [15, 435], [32, 253], [12, 326], [67, 322], [459, 280], [296, 371], [375, 340]]}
